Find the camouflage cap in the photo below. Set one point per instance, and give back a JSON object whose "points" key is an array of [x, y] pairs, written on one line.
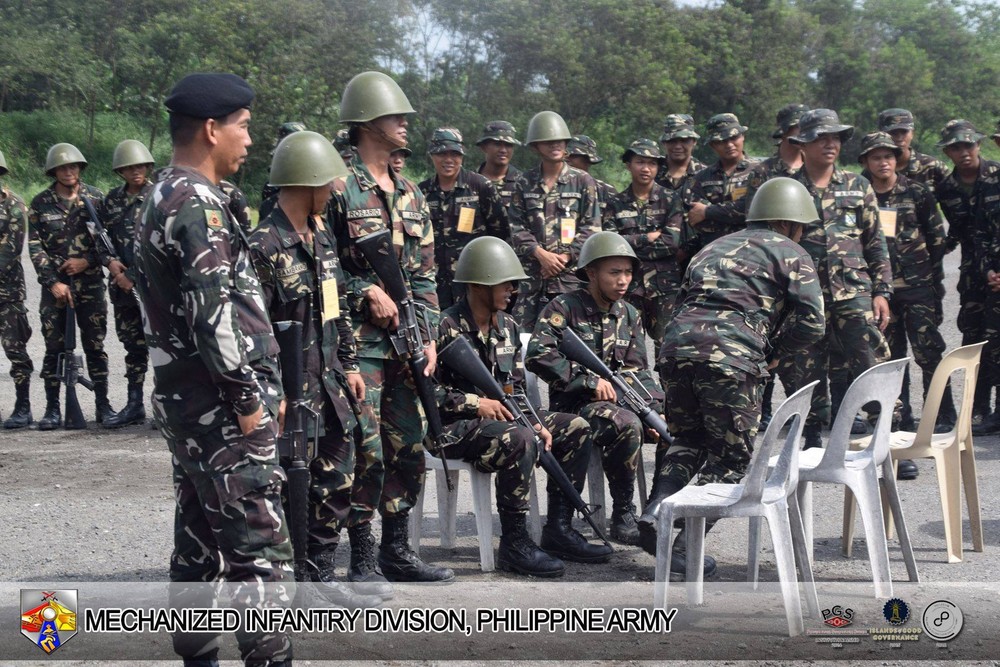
{"points": [[723, 126], [821, 121], [959, 131], [895, 119], [499, 130], [875, 140], [404, 150], [581, 144], [678, 126], [288, 128], [642, 148], [787, 118], [446, 139]]}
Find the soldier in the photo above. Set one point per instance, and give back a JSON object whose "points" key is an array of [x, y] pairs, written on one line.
{"points": [[134, 163], [497, 144], [581, 153], [678, 141], [268, 191], [930, 171], [68, 269], [851, 259], [14, 328], [649, 217], [613, 329], [484, 432], [390, 464], [294, 253], [986, 237], [553, 210], [217, 385], [463, 205], [398, 158], [757, 289]]}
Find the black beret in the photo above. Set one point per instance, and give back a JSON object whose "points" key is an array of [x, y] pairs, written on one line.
{"points": [[210, 95]]}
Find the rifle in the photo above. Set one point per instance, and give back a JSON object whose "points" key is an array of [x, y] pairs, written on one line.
{"points": [[101, 235], [293, 443], [409, 337], [628, 397], [68, 370], [461, 359]]}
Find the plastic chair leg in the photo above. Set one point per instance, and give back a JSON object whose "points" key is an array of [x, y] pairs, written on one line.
{"points": [[753, 551], [802, 556], [847, 531], [447, 508], [694, 531], [971, 484], [534, 514], [416, 519], [781, 538], [805, 494], [891, 492], [482, 507], [595, 481], [664, 554], [878, 550]]}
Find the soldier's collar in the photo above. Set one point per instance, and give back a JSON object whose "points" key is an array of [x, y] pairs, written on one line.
{"points": [[365, 179]]}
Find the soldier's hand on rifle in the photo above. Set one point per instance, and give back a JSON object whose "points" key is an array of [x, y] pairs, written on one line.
{"points": [[123, 282], [546, 437], [652, 236], [383, 309], [282, 408], [605, 392], [431, 352], [491, 409], [356, 385], [696, 214], [249, 423], [552, 264], [71, 267], [880, 308], [62, 294]]}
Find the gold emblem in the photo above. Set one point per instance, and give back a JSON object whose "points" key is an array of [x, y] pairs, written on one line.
{"points": [[557, 320], [213, 219]]}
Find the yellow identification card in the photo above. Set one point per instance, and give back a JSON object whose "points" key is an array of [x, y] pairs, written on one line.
{"points": [[739, 193], [887, 217], [466, 218], [331, 299], [567, 230]]}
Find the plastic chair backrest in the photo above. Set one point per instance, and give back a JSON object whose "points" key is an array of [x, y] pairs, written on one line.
{"points": [[966, 359]]}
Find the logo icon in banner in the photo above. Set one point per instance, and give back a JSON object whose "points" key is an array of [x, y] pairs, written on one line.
{"points": [[942, 620], [48, 618]]}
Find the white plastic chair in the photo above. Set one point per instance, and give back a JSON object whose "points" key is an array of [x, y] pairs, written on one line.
{"points": [[761, 494]]}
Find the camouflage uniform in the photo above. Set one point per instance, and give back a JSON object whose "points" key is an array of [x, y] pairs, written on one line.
{"points": [[505, 186], [14, 328], [214, 357], [586, 147], [294, 279], [724, 193], [617, 337], [120, 214], [678, 185], [986, 237], [743, 295], [558, 220], [498, 446], [471, 191], [390, 464], [925, 169], [56, 233], [678, 126], [238, 205]]}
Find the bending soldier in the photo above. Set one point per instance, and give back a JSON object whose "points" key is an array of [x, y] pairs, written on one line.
{"points": [[14, 328]]}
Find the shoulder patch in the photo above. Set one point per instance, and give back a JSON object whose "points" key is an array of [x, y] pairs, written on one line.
{"points": [[557, 320], [213, 218]]}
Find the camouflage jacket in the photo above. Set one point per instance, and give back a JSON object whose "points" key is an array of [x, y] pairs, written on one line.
{"points": [[500, 351], [58, 231], [605, 191], [13, 224], [924, 169], [616, 336], [847, 246], [504, 186], [559, 221], [119, 215], [297, 281], [452, 232], [986, 232], [723, 193], [762, 172], [743, 296], [205, 320], [238, 204], [960, 204], [635, 220], [679, 184], [360, 207]]}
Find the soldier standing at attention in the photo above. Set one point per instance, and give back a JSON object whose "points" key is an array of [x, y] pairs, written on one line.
{"points": [[484, 430], [678, 141], [497, 144], [581, 153], [612, 328], [65, 259], [133, 162], [373, 197], [930, 171], [269, 191], [215, 366], [552, 212], [463, 205], [14, 328], [744, 285]]}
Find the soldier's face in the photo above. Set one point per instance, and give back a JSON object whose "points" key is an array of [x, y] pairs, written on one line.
{"points": [[881, 162], [902, 138], [321, 197], [610, 278], [823, 152], [447, 164], [730, 149], [643, 169], [551, 151], [497, 152], [500, 296], [393, 127], [964, 154], [579, 162], [231, 136], [135, 174], [397, 161], [68, 175], [679, 150]]}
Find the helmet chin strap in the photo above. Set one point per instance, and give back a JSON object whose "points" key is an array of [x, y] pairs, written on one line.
{"points": [[379, 132]]}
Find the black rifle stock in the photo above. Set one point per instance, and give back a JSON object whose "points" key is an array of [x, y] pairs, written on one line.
{"points": [[68, 370], [409, 337], [628, 397], [461, 359], [100, 234]]}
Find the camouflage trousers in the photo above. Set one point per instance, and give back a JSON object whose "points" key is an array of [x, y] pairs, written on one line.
{"points": [[14, 335], [972, 322], [128, 327], [331, 479], [713, 411], [989, 371], [389, 466], [915, 318], [656, 312], [229, 526], [92, 325], [509, 450], [618, 434]]}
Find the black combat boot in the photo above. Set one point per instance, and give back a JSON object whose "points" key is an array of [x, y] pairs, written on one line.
{"points": [[21, 416], [561, 539], [812, 436], [678, 560], [134, 411], [364, 572], [398, 562], [324, 579], [210, 659], [52, 419], [102, 404], [765, 405], [663, 487], [518, 553], [906, 469], [623, 522]]}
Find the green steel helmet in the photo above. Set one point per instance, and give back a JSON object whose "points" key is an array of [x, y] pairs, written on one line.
{"points": [[3, 164], [782, 199], [290, 127], [488, 260], [547, 126], [130, 152], [371, 95], [600, 245], [61, 154], [305, 159]]}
